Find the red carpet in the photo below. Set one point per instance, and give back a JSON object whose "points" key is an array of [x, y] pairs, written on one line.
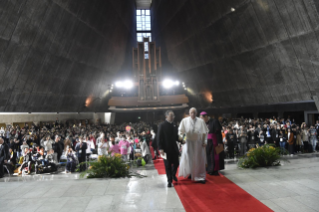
{"points": [[159, 163], [218, 194]]}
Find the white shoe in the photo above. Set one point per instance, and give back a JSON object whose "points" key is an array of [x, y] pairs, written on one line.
{"points": [[292, 155]]}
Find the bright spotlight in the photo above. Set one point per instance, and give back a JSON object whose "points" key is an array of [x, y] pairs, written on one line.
{"points": [[128, 84], [177, 83], [119, 84], [168, 83]]}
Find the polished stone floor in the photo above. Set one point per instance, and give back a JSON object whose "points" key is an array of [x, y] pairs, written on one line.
{"points": [[65, 192], [292, 187]]}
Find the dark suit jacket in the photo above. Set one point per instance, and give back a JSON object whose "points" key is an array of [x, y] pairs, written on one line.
{"points": [[78, 148], [14, 158], [4, 153], [167, 136]]}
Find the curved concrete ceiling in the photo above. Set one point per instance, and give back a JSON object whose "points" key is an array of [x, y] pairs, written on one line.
{"points": [[57, 55], [54, 54], [143, 4], [245, 52]]}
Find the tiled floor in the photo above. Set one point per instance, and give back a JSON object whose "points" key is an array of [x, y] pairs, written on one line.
{"points": [[292, 187], [63, 192]]}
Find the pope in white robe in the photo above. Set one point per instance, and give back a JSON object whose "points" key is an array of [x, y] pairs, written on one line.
{"points": [[193, 160]]}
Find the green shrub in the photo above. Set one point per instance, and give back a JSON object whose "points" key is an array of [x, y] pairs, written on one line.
{"points": [[266, 155], [108, 167]]}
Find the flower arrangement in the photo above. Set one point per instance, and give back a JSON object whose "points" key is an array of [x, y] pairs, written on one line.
{"points": [[266, 155], [108, 166]]}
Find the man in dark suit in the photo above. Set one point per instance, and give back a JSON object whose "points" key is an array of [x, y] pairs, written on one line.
{"points": [[58, 146], [4, 155], [167, 136], [80, 149]]}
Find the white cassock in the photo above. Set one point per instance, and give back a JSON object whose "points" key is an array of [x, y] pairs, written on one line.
{"points": [[193, 160]]}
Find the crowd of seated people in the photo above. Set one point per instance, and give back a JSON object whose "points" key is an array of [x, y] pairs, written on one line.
{"points": [[240, 135], [42, 149]]}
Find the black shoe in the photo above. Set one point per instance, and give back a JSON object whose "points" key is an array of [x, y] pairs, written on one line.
{"points": [[210, 173], [215, 173], [190, 177], [201, 181], [169, 184], [175, 178], [154, 158]]}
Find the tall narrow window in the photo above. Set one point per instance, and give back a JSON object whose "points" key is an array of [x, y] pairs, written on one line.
{"points": [[143, 25]]}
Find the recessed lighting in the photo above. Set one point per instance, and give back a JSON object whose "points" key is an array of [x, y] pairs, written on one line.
{"points": [[232, 9]]}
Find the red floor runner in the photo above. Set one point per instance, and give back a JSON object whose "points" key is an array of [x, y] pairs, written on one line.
{"points": [[218, 194], [159, 163]]}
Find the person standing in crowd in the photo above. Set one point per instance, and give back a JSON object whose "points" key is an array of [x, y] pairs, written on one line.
{"points": [[273, 134], [146, 154], [167, 137], [47, 144], [293, 130], [70, 164], [290, 142], [193, 158], [67, 143], [58, 147], [268, 135], [231, 140], [145, 137], [282, 141], [304, 136], [12, 161], [114, 149], [16, 147], [251, 138], [27, 161], [154, 142], [4, 155], [80, 149], [124, 145], [298, 140], [90, 146], [261, 137], [256, 137], [243, 139], [102, 137], [313, 138], [103, 147], [130, 150], [215, 162]]}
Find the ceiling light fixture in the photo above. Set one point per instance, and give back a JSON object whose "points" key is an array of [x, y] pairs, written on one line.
{"points": [[126, 84], [168, 83]]}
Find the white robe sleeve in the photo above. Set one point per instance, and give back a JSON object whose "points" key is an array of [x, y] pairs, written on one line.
{"points": [[204, 131], [181, 128]]}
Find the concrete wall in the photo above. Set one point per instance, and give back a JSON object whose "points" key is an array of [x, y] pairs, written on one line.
{"points": [[54, 54], [265, 52], [9, 119]]}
